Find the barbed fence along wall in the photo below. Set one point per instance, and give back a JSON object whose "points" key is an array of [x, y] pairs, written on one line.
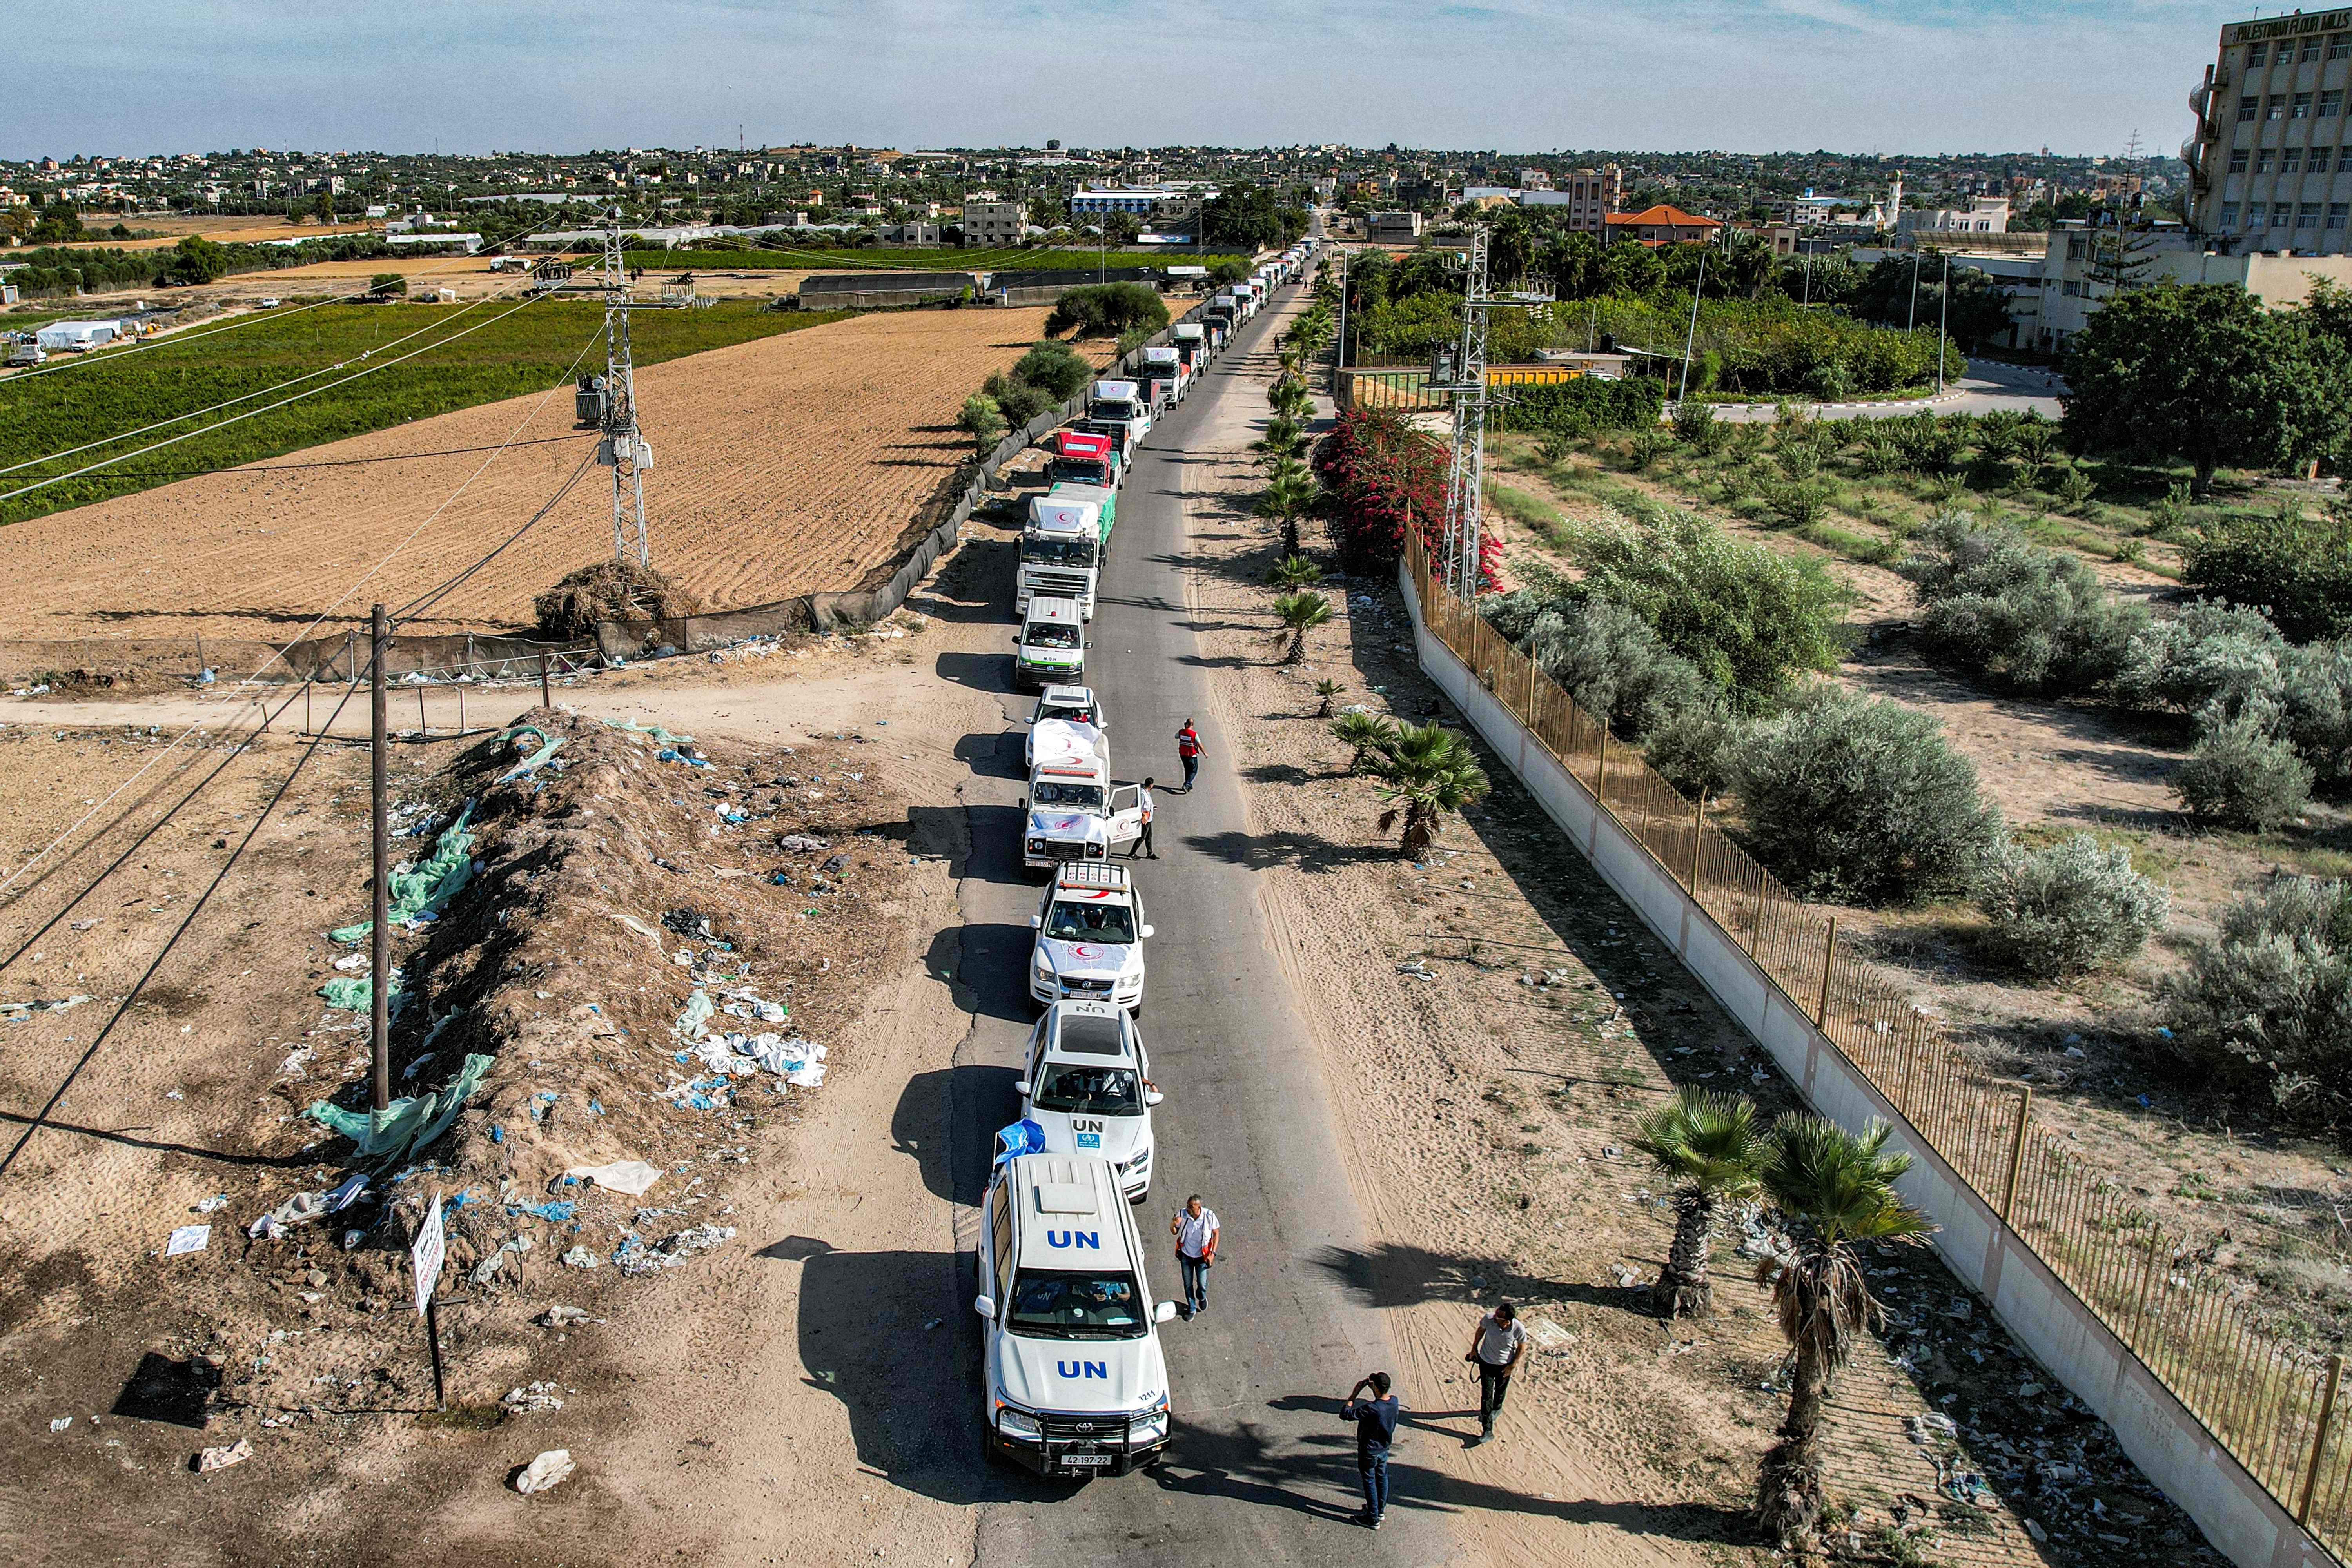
{"points": [[2270, 1406]]}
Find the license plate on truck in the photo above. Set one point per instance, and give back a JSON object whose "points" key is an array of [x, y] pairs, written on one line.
{"points": [[1087, 1459]]}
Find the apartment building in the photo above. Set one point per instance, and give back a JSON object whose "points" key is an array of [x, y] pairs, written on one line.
{"points": [[1588, 194], [1983, 216], [2267, 161], [993, 224]]}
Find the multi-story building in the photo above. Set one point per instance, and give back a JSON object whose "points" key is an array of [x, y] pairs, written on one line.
{"points": [[1588, 194], [991, 224], [1983, 215], [2267, 161]]}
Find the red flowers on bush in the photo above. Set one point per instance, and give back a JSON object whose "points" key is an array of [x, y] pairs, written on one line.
{"points": [[1384, 475]]}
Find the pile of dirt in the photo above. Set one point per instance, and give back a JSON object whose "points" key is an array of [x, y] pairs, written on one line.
{"points": [[619, 590], [619, 880]]}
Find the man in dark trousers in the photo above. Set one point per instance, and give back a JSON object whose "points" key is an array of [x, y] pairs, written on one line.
{"points": [[1143, 799], [1494, 1350], [1376, 1424], [1187, 750], [1196, 1230]]}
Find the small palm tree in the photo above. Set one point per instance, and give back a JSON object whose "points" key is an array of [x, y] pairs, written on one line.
{"points": [[1300, 613], [1327, 690], [1426, 772], [1290, 494], [1367, 733], [1293, 572], [1288, 397], [1284, 438], [1710, 1145], [1835, 1189]]}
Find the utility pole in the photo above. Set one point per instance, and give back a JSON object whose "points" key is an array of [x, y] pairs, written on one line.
{"points": [[1690, 338], [1943, 324], [1341, 363], [1463, 374], [623, 450], [380, 824], [1914, 321]]}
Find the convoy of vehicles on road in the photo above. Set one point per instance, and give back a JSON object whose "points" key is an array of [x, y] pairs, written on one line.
{"points": [[1075, 1383]]}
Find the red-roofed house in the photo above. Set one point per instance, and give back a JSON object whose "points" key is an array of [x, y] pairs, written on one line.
{"points": [[1660, 225]]}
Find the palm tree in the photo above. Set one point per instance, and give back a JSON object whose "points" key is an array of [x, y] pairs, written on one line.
{"points": [[1710, 1144], [1288, 397], [1291, 493], [1284, 438], [1327, 690], [1300, 613], [1293, 572], [1367, 732], [1426, 772], [1835, 1189]]}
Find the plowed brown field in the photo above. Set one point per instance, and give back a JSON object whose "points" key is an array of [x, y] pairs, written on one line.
{"points": [[781, 466]]}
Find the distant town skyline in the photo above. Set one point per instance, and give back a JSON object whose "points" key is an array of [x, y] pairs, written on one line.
{"points": [[1923, 79]]}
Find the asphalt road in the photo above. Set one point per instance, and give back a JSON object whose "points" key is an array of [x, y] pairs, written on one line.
{"points": [[1261, 1469]]}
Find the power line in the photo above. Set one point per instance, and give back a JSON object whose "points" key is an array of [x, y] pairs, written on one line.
{"points": [[248, 397], [432, 597], [253, 412], [41, 1117], [266, 466]]}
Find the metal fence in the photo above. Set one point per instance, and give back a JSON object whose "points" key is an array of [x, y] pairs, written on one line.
{"points": [[2270, 1403]]}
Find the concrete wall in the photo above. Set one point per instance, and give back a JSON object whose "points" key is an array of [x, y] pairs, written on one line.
{"points": [[2167, 1443]]}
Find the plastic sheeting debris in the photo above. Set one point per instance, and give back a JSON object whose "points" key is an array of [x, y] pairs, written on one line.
{"points": [[634, 1256], [188, 1239], [304, 1208], [412, 1121], [633, 1177], [235, 1453], [421, 891], [530, 764]]}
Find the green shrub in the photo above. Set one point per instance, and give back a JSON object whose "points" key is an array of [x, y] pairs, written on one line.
{"points": [[2034, 619], [1796, 503], [2070, 908], [2297, 570], [2075, 491], [1587, 403], [982, 418], [1603, 655], [2242, 774], [1859, 799], [2316, 709], [1107, 310], [1018, 400], [1696, 426], [1754, 622], [1054, 367], [1692, 749], [2268, 1007], [2210, 653], [1645, 449]]}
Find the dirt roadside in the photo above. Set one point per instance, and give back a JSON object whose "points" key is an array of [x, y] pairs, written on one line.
{"points": [[1506, 1021], [705, 1401]]}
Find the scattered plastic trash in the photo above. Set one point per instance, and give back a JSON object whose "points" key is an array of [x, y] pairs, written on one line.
{"points": [[59, 1423], [800, 842], [634, 1256], [488, 1268], [581, 1258], [235, 1453], [1925, 1429], [422, 891], [536, 1399], [207, 1206], [411, 1122], [563, 1317], [553, 1212], [1413, 968], [1024, 1137], [304, 1208], [17, 1012], [551, 1469], [530, 764], [1548, 1335], [633, 1177], [188, 1239]]}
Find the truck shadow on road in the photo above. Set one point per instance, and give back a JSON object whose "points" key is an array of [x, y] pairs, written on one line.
{"points": [[979, 671], [946, 1120], [992, 754], [986, 961]]}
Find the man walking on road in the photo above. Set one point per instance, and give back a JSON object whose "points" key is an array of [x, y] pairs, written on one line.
{"points": [[1376, 1424], [1188, 747], [1195, 1230], [1494, 1350], [1143, 798]]}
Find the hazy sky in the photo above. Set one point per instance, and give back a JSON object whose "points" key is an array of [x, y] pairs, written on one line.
{"points": [[1921, 75]]}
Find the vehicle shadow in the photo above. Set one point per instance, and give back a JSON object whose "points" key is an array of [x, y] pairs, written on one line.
{"points": [[1396, 1274], [979, 671], [995, 855], [989, 961], [992, 753], [888, 1334], [947, 1122]]}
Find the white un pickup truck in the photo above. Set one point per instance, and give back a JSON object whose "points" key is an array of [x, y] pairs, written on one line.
{"points": [[1074, 1383]]}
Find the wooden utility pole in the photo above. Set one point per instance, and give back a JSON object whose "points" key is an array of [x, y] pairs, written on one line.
{"points": [[380, 930]]}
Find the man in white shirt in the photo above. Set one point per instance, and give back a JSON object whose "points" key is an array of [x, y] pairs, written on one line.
{"points": [[1494, 1350], [1195, 1230], [1143, 799]]}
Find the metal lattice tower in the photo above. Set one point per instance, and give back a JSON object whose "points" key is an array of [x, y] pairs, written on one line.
{"points": [[1462, 373], [623, 450]]}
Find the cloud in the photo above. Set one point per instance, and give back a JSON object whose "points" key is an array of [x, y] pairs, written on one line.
{"points": [[401, 75]]}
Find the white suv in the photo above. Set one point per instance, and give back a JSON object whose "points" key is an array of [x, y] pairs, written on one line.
{"points": [[1088, 1089], [1067, 723], [1090, 935], [1075, 1381]]}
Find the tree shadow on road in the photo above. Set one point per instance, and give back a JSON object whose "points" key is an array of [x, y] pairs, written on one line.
{"points": [[1395, 1274], [1259, 851]]}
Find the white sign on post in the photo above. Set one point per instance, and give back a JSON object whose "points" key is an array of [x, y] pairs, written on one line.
{"points": [[424, 1257]]}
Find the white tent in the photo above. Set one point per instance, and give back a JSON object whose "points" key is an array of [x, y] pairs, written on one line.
{"points": [[78, 334]]}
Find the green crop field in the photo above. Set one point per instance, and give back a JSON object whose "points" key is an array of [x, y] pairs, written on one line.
{"points": [[109, 397], [909, 261]]}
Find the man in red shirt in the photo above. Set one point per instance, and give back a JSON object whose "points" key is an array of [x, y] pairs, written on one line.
{"points": [[1187, 750]]}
